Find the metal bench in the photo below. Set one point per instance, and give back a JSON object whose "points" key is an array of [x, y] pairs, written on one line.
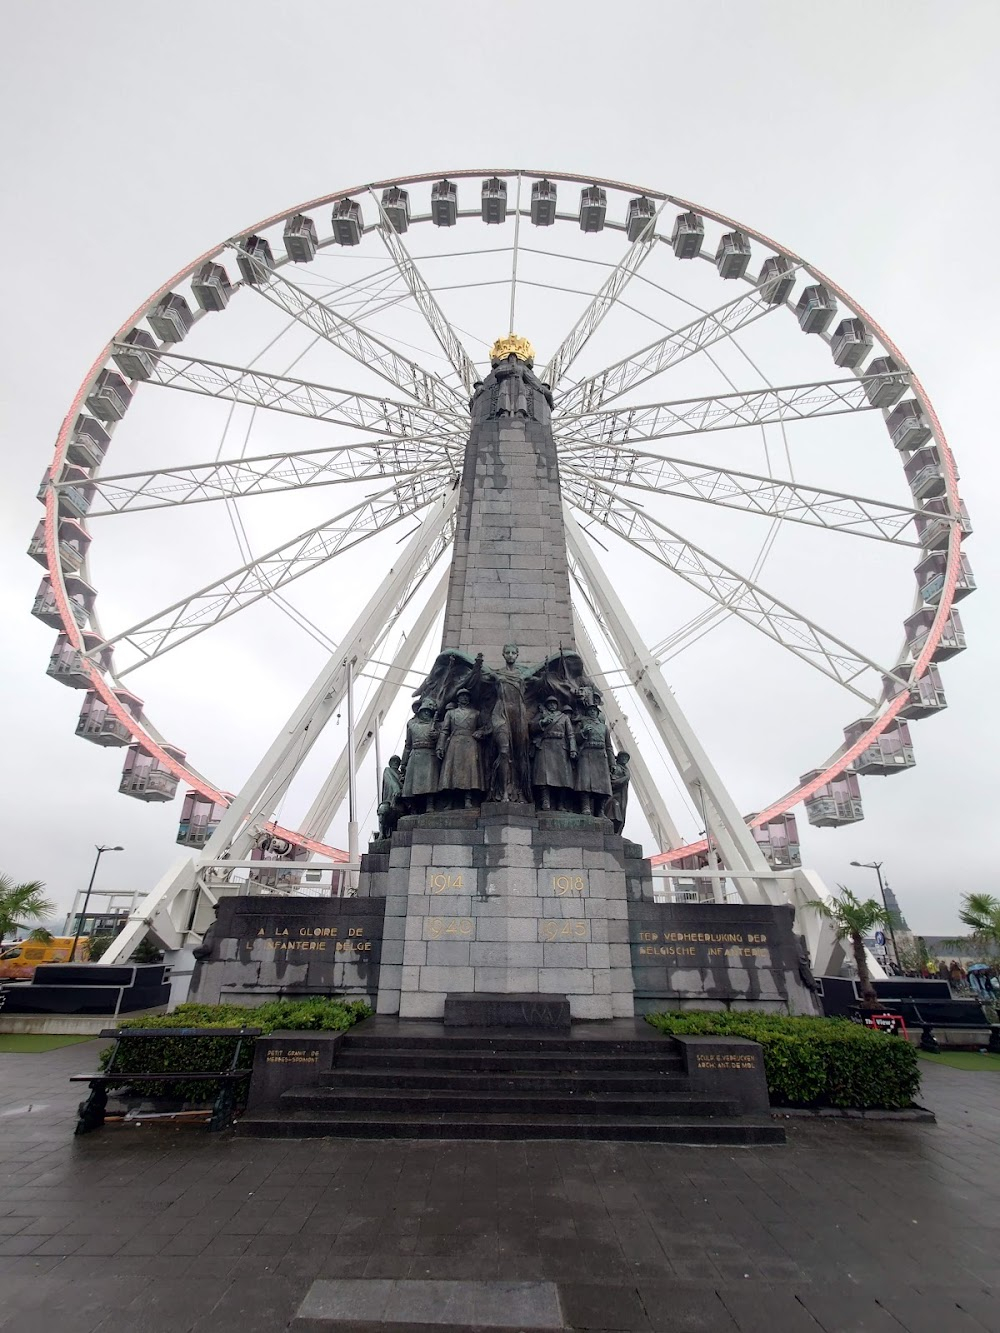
{"points": [[92, 1111], [949, 1016]]}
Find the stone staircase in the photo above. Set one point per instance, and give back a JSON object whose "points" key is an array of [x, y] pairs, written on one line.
{"points": [[422, 1080]]}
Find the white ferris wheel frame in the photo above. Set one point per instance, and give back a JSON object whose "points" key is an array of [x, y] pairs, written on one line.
{"points": [[591, 427]]}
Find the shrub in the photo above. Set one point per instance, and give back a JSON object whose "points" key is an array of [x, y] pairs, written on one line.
{"points": [[190, 1054], [815, 1061]]}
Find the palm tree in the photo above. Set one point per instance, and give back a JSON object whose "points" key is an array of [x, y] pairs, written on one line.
{"points": [[22, 903], [981, 913], [853, 920]]}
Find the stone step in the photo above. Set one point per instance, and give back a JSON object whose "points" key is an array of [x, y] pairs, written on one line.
{"points": [[500, 1062], [716, 1130], [570, 1082], [322, 1101], [506, 1039]]}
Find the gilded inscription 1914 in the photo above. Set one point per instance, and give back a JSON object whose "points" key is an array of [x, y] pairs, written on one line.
{"points": [[441, 883]]}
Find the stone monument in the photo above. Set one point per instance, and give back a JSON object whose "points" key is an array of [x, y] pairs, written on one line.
{"points": [[512, 878], [500, 887]]}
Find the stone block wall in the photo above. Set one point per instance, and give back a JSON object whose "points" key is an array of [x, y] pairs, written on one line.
{"points": [[266, 946], [509, 902], [509, 578]]}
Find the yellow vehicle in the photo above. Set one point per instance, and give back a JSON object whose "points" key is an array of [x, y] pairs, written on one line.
{"points": [[19, 960]]}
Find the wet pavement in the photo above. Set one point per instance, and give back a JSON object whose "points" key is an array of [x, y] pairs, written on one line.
{"points": [[852, 1226]]}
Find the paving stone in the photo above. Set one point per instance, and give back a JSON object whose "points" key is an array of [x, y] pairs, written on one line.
{"points": [[594, 1305], [851, 1222], [453, 1304]]}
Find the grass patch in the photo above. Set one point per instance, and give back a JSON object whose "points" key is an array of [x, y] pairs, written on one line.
{"points": [[30, 1043], [973, 1060]]}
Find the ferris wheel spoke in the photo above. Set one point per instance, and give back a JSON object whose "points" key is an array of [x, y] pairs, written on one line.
{"points": [[425, 300], [740, 596], [420, 384], [748, 492], [237, 478], [603, 302], [588, 394], [724, 411], [320, 402], [209, 606]]}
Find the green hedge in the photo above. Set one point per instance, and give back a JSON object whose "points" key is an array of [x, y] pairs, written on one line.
{"points": [[153, 1056], [815, 1061]]}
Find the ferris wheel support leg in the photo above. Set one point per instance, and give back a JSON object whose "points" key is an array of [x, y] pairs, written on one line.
{"points": [[827, 952], [733, 839], [255, 803], [328, 800], [164, 913], [661, 824]]}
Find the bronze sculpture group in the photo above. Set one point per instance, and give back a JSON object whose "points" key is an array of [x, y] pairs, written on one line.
{"points": [[510, 733], [515, 734]]}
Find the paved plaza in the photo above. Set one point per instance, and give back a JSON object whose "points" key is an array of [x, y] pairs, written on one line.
{"points": [[881, 1226]]}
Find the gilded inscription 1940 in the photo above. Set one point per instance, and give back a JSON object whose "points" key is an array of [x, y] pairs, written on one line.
{"points": [[449, 927]]}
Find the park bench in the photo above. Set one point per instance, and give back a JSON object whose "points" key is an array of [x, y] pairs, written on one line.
{"points": [[92, 1111], [945, 1016], [971, 1019]]}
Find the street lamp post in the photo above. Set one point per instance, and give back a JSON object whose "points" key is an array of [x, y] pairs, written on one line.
{"points": [[877, 867], [86, 897]]}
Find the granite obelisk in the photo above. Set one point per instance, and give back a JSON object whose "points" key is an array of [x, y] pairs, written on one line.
{"points": [[516, 885], [509, 579]]}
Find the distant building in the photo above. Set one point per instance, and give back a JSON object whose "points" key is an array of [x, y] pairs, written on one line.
{"points": [[895, 915]]}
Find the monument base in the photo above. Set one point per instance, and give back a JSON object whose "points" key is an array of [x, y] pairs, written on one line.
{"points": [[718, 956], [270, 946], [504, 900], [504, 916]]}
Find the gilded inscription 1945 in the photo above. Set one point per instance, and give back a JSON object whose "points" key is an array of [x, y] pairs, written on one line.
{"points": [[571, 929]]}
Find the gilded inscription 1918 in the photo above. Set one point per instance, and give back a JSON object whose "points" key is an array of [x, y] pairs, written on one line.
{"points": [[566, 884]]}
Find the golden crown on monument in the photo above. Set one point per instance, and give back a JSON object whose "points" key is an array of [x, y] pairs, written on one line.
{"points": [[520, 347]]}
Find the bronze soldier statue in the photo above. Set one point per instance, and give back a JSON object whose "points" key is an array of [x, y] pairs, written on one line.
{"points": [[458, 749], [419, 766], [596, 756], [617, 803], [555, 754], [389, 804]]}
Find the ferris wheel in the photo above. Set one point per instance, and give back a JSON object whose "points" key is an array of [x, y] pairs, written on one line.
{"points": [[700, 370]]}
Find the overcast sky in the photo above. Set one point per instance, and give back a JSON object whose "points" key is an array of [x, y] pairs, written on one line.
{"points": [[861, 135]]}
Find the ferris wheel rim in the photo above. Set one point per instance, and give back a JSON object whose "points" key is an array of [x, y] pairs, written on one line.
{"points": [[833, 767]]}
